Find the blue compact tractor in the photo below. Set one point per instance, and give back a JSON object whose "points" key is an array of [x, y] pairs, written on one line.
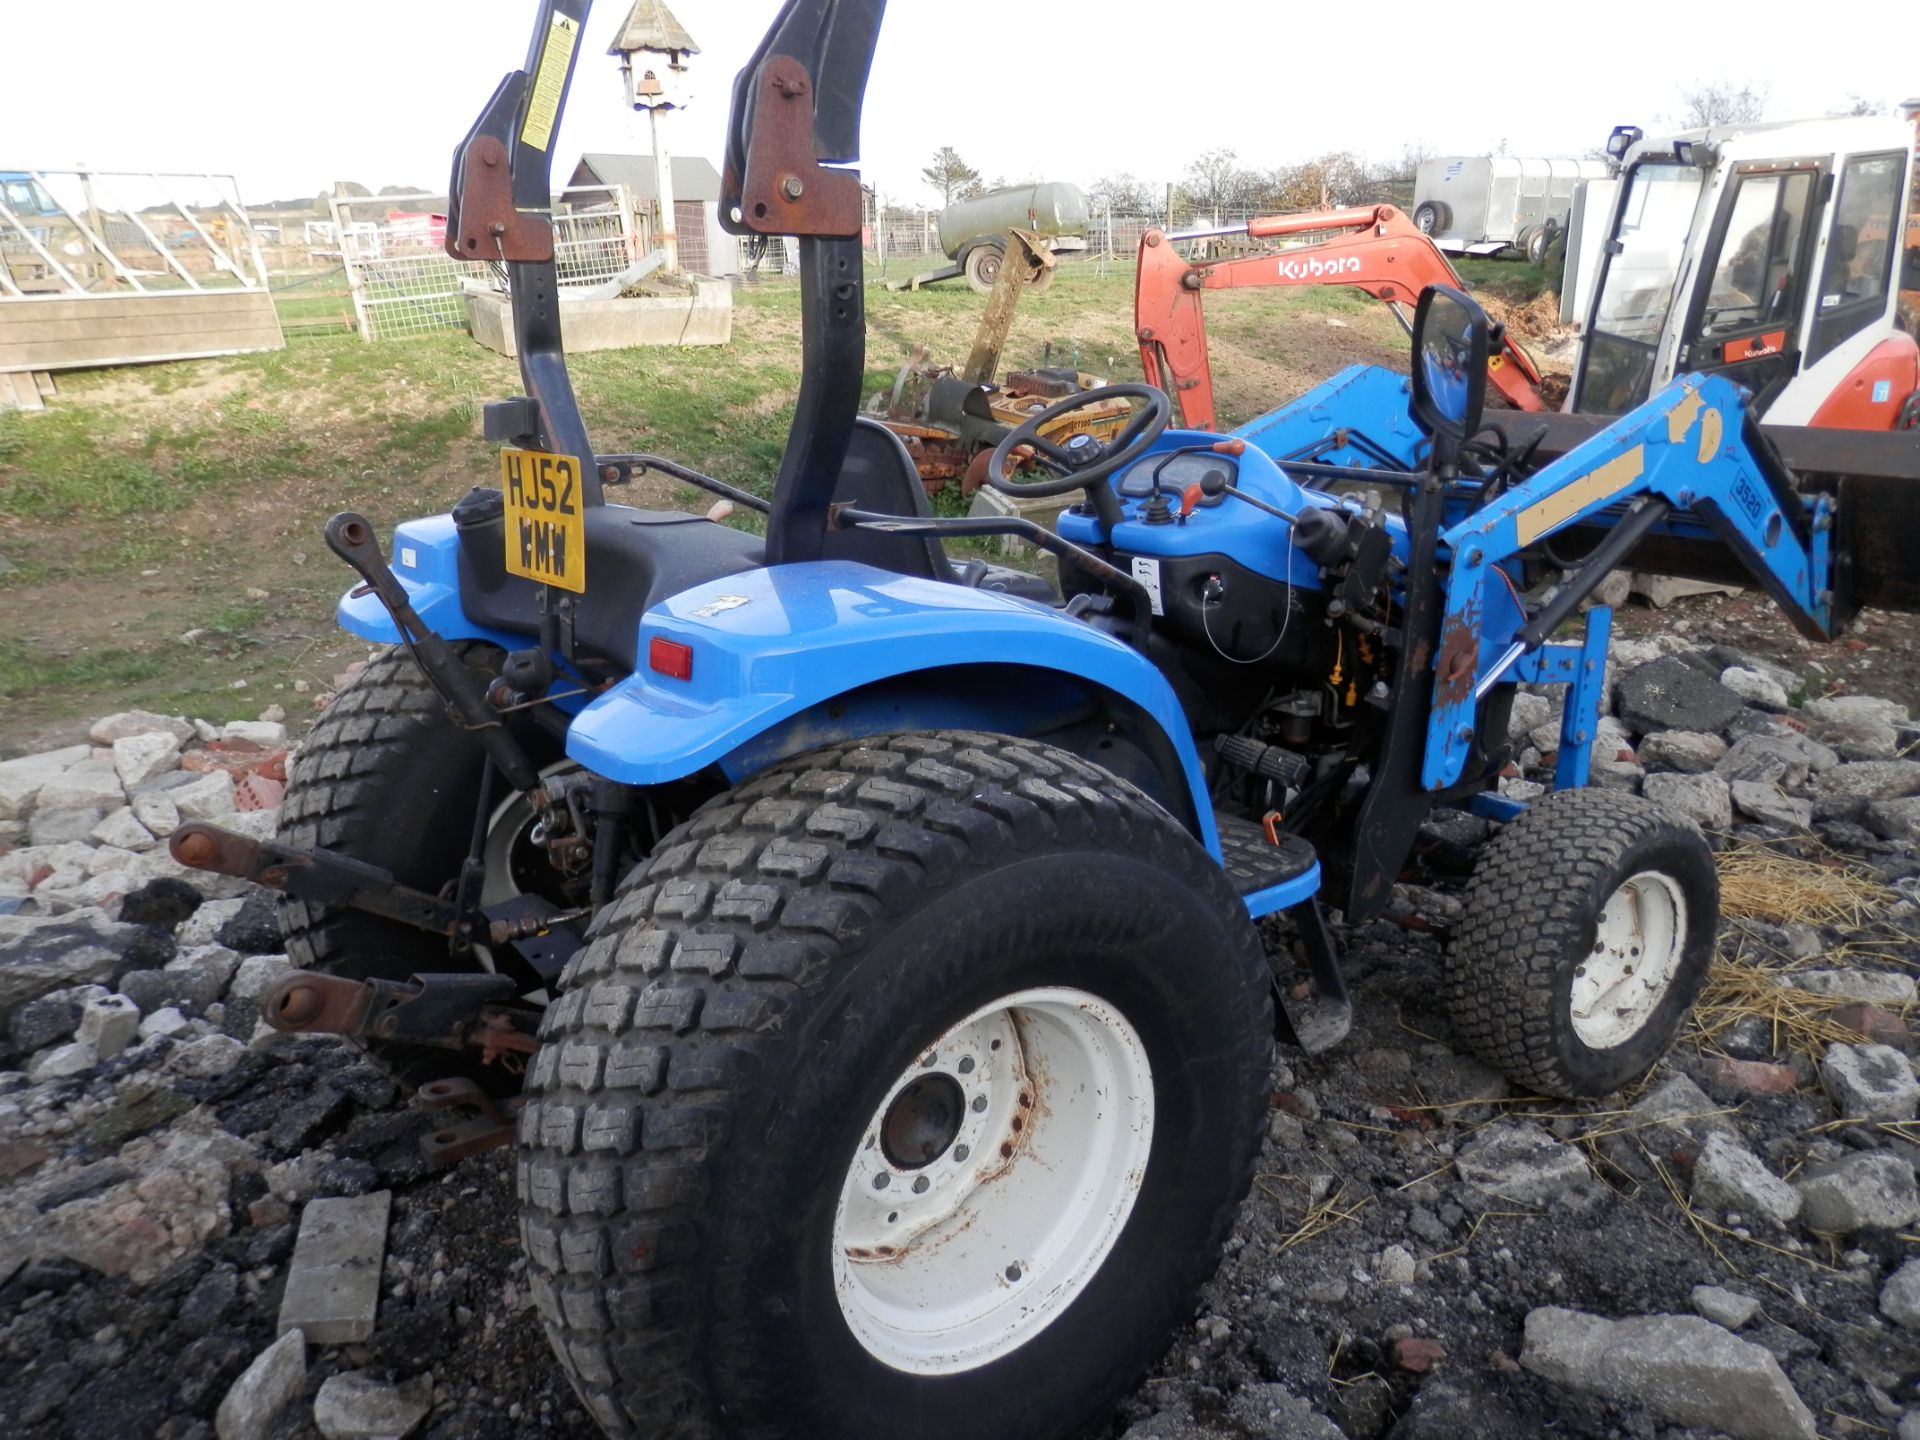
{"points": [[876, 958]]}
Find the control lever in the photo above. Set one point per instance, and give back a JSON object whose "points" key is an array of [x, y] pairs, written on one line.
{"points": [[350, 536], [1215, 484]]}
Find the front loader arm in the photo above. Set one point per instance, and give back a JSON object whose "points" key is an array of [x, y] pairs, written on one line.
{"points": [[1690, 464], [1380, 251]]}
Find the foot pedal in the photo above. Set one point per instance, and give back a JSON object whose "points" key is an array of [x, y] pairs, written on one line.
{"points": [[1251, 862]]}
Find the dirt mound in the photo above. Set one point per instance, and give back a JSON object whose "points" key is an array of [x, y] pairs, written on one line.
{"points": [[1538, 319]]}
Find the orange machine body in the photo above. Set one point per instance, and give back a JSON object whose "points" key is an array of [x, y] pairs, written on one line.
{"points": [[1379, 250]]}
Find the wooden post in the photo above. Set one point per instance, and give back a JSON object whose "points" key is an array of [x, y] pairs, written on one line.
{"points": [[663, 187]]}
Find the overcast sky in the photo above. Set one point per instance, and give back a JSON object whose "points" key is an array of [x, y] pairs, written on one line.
{"points": [[294, 97]]}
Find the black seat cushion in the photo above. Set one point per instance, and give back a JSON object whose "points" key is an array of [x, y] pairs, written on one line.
{"points": [[635, 559]]}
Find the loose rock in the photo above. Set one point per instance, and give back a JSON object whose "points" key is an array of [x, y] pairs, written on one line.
{"points": [[1684, 1369], [277, 1374], [1522, 1162], [1870, 1082], [1845, 791], [1754, 688], [1669, 694], [1704, 800], [1687, 751], [1724, 1307], [1874, 987], [1870, 1191], [1728, 1176], [1900, 1296], [354, 1405]]}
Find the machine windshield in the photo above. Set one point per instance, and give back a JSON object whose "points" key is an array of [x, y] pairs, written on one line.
{"points": [[1637, 289]]}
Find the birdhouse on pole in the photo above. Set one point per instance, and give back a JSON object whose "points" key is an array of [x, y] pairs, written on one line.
{"points": [[653, 48]]}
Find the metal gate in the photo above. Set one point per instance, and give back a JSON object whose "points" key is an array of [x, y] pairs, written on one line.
{"points": [[404, 282], [690, 233]]}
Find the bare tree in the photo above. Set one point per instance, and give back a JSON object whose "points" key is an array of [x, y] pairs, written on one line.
{"points": [[1863, 105], [1720, 103], [951, 176], [1215, 181], [1124, 195]]}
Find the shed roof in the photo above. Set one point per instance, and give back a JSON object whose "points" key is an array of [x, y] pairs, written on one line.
{"points": [[694, 177], [651, 26]]}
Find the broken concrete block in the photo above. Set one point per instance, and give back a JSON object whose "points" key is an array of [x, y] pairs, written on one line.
{"points": [[1681, 1368], [138, 758], [138, 722], [109, 1025], [354, 1405], [333, 1284], [255, 1400], [208, 798], [1870, 1082]]}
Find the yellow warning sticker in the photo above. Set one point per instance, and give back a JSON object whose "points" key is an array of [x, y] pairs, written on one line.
{"points": [[549, 81]]}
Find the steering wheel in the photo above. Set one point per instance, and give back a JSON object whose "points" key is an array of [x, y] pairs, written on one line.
{"points": [[1069, 474]]}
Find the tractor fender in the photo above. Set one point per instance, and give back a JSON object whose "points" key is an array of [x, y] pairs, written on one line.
{"points": [[426, 562], [744, 671]]}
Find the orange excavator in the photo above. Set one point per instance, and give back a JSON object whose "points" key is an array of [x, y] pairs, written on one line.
{"points": [[1375, 248]]}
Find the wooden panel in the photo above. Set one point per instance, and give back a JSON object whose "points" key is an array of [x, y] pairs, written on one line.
{"points": [[124, 329]]}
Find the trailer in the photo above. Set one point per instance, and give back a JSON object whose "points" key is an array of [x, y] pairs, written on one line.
{"points": [[973, 232], [1485, 204]]}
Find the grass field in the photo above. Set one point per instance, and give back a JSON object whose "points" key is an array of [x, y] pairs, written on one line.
{"points": [[160, 526]]}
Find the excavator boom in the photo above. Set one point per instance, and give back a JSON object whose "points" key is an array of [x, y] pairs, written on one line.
{"points": [[1378, 250]]}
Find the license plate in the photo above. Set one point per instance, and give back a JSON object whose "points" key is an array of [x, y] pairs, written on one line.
{"points": [[546, 529]]}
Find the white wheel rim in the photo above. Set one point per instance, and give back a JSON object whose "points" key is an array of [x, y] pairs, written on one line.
{"points": [[946, 1265], [1637, 945]]}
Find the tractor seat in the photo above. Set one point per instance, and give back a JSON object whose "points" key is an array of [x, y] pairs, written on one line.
{"points": [[635, 559], [879, 475]]}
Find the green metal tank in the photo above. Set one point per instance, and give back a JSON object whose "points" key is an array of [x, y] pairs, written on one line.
{"points": [[1053, 210]]}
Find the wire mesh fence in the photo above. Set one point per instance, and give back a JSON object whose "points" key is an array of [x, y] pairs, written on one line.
{"points": [[404, 283], [901, 241]]}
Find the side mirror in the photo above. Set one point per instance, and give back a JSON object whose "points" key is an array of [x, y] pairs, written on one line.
{"points": [[1623, 139], [1452, 339]]}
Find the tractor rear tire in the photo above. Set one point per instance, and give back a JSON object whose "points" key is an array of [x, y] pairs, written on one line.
{"points": [[386, 777], [1588, 932], [933, 1025], [983, 267]]}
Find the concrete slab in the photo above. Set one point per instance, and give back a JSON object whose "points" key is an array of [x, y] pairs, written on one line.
{"points": [[333, 1286]]}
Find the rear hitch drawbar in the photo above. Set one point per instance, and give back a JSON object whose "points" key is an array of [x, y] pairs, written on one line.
{"points": [[450, 1012]]}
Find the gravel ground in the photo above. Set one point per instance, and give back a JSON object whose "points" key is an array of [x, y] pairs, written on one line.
{"points": [[1424, 1253]]}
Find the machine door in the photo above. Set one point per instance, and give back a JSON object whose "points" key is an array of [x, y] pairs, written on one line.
{"points": [[1746, 314]]}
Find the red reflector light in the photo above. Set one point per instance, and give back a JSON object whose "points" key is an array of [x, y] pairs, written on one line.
{"points": [[670, 658]]}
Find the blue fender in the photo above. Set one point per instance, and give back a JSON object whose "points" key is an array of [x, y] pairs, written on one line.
{"points": [[766, 647], [426, 561]]}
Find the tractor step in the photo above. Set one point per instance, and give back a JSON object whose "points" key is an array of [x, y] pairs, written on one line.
{"points": [[1254, 863]]}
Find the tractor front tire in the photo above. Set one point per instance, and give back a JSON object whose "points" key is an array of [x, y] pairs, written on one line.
{"points": [[1588, 932], [983, 267], [909, 1089]]}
